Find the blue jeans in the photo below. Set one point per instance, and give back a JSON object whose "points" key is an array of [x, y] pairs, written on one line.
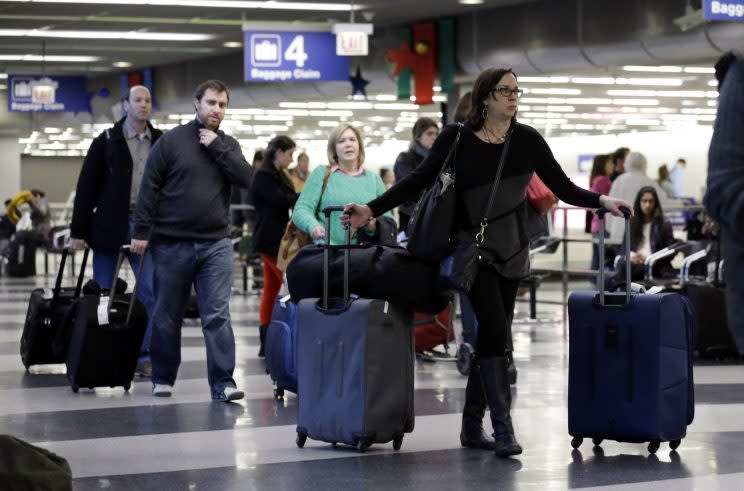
{"points": [[103, 273], [208, 266]]}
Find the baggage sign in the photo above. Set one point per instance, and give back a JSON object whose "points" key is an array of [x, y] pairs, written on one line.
{"points": [[293, 57], [731, 10]]}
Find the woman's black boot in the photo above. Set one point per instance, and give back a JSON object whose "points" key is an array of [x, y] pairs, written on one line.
{"points": [[495, 377], [262, 336], [472, 434]]}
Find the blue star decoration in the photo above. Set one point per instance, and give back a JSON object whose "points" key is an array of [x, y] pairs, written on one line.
{"points": [[358, 84]]}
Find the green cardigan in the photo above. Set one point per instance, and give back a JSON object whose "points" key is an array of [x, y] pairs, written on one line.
{"points": [[340, 190]]}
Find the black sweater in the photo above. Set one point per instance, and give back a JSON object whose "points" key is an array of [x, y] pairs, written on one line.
{"points": [[185, 191], [476, 162], [273, 196]]}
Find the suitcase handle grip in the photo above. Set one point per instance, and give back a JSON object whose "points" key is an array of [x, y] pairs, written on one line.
{"points": [[326, 255], [601, 215], [124, 250], [60, 274]]}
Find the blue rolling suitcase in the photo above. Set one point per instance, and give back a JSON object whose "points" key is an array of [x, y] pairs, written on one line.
{"points": [[281, 347], [355, 364], [630, 365]]}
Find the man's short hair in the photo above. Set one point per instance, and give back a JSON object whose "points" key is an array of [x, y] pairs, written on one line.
{"points": [[131, 89], [216, 85], [682, 161], [620, 154], [303, 154]]}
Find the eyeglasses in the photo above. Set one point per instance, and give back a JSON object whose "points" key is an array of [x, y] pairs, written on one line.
{"points": [[506, 91]]}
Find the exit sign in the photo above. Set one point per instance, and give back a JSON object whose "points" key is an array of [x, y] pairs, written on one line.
{"points": [[352, 39]]}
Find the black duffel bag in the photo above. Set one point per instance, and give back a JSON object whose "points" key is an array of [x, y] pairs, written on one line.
{"points": [[382, 272]]}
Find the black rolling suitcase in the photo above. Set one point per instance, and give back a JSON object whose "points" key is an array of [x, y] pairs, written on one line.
{"points": [[107, 332], [355, 368], [22, 255], [712, 336], [47, 309]]}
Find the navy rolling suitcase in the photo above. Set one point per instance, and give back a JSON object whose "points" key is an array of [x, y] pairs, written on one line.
{"points": [[630, 365], [355, 366], [107, 333], [47, 309], [281, 346]]}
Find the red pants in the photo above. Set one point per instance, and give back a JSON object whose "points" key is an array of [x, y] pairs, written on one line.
{"points": [[272, 285]]}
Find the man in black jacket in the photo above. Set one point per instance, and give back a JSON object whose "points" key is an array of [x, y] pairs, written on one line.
{"points": [[182, 218], [106, 194]]}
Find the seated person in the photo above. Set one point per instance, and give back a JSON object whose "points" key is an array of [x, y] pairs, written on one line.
{"points": [[649, 233]]}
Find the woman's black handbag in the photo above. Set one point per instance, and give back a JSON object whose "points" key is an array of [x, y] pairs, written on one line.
{"points": [[430, 228], [459, 269]]}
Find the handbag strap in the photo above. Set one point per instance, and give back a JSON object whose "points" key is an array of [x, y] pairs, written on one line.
{"points": [[322, 189], [480, 236], [452, 149]]}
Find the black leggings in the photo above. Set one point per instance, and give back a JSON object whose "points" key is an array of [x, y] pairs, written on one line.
{"points": [[492, 297]]}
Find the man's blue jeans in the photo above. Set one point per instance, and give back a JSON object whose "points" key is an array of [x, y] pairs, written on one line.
{"points": [[208, 266], [103, 273]]}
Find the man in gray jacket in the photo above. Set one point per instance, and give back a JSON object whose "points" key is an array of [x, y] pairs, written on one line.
{"points": [[182, 217]]}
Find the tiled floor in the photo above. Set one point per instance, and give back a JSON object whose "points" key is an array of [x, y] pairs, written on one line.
{"points": [[132, 441]]}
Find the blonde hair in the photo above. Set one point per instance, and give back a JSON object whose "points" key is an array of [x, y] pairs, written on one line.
{"points": [[333, 138]]}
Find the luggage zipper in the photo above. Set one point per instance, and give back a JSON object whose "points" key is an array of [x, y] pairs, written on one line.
{"points": [[319, 345], [340, 384]]}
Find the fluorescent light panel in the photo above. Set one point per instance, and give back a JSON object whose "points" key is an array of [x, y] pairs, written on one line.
{"points": [[265, 5], [122, 35], [50, 58]]}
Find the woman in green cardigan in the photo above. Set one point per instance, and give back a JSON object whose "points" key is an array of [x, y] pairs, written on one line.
{"points": [[348, 181]]}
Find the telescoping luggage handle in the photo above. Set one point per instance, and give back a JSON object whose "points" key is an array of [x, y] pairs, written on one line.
{"points": [[60, 275], [122, 252], [601, 215], [326, 255]]}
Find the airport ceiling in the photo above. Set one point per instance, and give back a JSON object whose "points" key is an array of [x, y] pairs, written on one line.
{"points": [[621, 99], [220, 21]]}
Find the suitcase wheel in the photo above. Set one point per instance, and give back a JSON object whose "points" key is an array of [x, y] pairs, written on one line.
{"points": [[464, 358], [278, 394], [674, 444], [127, 386], [75, 388], [597, 441], [397, 442], [362, 445], [654, 446], [576, 442], [301, 439]]}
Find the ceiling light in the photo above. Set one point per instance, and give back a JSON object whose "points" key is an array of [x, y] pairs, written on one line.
{"points": [[232, 44], [470, 2], [666, 82], [554, 91], [121, 35], [270, 5], [122, 64], [548, 80], [699, 69], [50, 58], [713, 83], [593, 80], [3, 76], [659, 69]]}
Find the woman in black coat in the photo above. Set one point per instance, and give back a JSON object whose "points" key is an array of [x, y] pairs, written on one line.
{"points": [[273, 196], [504, 253], [425, 131]]}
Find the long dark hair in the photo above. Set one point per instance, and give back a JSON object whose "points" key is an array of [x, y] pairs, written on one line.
{"points": [[484, 85], [281, 142], [463, 107], [598, 167], [638, 219]]}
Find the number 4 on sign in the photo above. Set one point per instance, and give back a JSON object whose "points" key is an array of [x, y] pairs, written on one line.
{"points": [[296, 51]]}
